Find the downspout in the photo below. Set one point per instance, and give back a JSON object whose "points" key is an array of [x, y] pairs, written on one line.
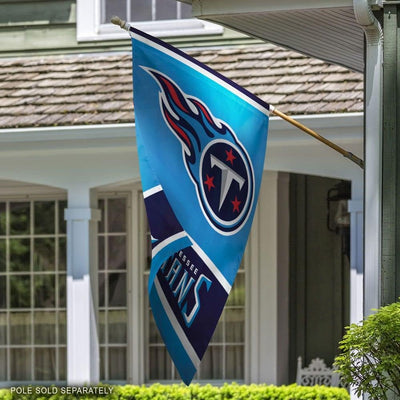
{"points": [[373, 82]]}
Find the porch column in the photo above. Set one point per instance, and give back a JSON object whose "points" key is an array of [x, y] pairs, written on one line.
{"points": [[268, 283], [82, 336]]}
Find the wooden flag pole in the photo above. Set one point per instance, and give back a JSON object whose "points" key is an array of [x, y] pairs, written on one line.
{"points": [[317, 136], [124, 25]]}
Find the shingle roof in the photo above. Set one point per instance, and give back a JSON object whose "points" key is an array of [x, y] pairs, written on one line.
{"points": [[97, 89]]}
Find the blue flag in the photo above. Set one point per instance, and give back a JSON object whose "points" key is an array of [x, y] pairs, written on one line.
{"points": [[201, 142]]}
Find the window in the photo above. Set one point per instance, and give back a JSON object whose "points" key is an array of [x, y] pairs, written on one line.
{"points": [[32, 290], [160, 18], [225, 356], [113, 271], [144, 10]]}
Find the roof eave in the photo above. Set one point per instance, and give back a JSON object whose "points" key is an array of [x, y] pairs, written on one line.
{"points": [[212, 7], [326, 29]]}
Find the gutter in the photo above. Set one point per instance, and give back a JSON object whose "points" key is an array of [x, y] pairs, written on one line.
{"points": [[127, 132]]}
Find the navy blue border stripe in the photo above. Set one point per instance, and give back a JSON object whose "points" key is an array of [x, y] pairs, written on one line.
{"points": [[201, 65]]}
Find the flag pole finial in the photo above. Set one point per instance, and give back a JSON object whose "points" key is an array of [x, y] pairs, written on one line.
{"points": [[121, 23]]}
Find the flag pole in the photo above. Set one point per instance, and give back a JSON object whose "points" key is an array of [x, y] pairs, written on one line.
{"points": [[124, 25], [317, 136]]}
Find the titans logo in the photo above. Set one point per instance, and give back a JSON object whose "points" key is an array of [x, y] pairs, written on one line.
{"points": [[216, 161]]}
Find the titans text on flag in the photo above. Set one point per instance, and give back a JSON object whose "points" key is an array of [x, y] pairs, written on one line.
{"points": [[173, 273]]}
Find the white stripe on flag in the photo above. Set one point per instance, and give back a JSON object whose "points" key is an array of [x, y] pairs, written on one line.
{"points": [[174, 322], [211, 266], [167, 241], [151, 191], [201, 70]]}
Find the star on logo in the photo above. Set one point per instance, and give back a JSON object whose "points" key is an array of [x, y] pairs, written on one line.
{"points": [[236, 204], [229, 156], [209, 182]]}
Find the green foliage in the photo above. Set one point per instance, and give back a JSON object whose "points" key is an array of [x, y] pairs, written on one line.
{"points": [[370, 354], [192, 392]]}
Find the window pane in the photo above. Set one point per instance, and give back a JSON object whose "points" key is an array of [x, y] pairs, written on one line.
{"points": [[211, 365], [62, 363], [62, 282], [44, 291], [62, 254], [117, 363], [117, 252], [3, 255], [44, 217], [154, 334], [20, 218], [148, 252], [20, 291], [117, 322], [62, 327], [234, 325], [117, 215], [45, 327], [2, 218], [140, 10], [117, 289], [236, 297], [102, 290], [186, 10], [44, 254], [3, 364], [234, 362], [101, 253], [20, 255], [20, 328], [21, 364], [166, 9], [3, 328], [159, 363], [102, 363], [102, 327], [111, 8], [3, 292], [45, 364], [62, 223]]}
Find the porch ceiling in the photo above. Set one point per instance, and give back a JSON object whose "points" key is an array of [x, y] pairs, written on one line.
{"points": [[323, 29]]}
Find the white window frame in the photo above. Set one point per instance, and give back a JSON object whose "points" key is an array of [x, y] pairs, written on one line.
{"points": [[9, 197], [127, 195], [89, 28]]}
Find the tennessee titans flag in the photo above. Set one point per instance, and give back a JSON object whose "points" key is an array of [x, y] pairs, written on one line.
{"points": [[201, 142]]}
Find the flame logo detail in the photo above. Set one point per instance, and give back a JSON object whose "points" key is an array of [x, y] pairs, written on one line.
{"points": [[216, 161]]}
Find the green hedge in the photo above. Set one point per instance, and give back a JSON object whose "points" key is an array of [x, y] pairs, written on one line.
{"points": [[179, 392]]}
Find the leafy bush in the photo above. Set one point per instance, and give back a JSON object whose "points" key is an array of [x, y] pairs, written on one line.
{"points": [[192, 392], [370, 354]]}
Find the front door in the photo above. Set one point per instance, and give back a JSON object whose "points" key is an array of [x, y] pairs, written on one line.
{"points": [[319, 272]]}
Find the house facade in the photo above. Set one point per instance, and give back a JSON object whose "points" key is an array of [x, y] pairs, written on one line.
{"points": [[74, 241]]}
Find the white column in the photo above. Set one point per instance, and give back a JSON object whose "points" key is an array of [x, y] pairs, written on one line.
{"points": [[82, 337], [267, 281]]}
